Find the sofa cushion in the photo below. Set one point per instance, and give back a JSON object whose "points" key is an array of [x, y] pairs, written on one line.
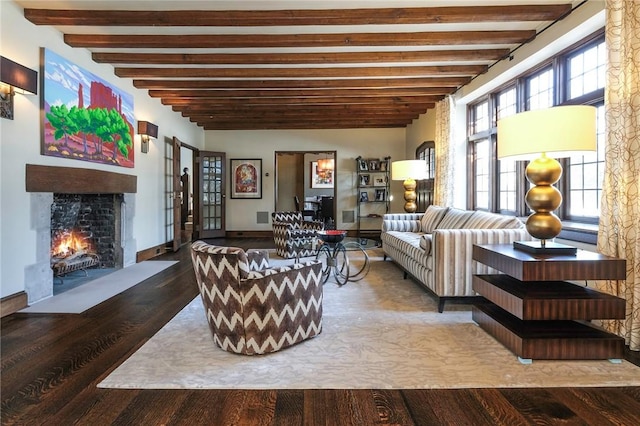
{"points": [[454, 219], [431, 218], [425, 243], [486, 220]]}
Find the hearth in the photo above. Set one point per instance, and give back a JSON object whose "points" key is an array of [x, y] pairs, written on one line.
{"points": [[42, 182]]}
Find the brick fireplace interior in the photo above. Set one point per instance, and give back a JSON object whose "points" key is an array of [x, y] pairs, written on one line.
{"points": [[85, 235], [97, 207]]}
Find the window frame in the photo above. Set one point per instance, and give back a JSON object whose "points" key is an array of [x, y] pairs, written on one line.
{"points": [[559, 64]]}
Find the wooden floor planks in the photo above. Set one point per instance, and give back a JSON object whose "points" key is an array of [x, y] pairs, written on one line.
{"points": [[51, 365]]}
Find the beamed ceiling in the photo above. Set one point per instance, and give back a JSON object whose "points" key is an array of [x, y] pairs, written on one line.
{"points": [[302, 64]]}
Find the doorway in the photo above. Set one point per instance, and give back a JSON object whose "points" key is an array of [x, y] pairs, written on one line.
{"points": [[297, 175]]}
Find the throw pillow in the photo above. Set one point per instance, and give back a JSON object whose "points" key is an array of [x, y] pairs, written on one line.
{"points": [[454, 219], [431, 218], [487, 220]]}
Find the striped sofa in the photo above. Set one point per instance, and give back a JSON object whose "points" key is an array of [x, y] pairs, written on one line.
{"points": [[435, 247]]}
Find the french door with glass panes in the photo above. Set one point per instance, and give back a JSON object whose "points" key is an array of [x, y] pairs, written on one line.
{"points": [[212, 194]]}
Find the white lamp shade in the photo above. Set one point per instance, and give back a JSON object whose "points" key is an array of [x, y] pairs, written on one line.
{"points": [[559, 132], [409, 169]]}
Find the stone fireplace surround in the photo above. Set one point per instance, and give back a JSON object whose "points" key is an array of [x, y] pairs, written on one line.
{"points": [[42, 182]]}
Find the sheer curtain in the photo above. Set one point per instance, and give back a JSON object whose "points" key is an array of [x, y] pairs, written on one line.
{"points": [[619, 233], [445, 158]]}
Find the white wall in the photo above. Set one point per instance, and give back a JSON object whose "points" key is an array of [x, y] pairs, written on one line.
{"points": [[21, 41], [349, 144], [421, 130]]}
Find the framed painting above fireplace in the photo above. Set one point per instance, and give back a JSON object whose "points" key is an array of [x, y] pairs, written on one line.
{"points": [[84, 117]]}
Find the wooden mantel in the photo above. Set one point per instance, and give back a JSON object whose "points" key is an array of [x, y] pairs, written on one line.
{"points": [[72, 180]]}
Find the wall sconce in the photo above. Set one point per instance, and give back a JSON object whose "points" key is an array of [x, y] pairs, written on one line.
{"points": [[15, 78], [561, 131], [146, 131], [409, 171]]}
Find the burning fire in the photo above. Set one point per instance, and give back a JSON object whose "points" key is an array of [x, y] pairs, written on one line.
{"points": [[69, 244]]}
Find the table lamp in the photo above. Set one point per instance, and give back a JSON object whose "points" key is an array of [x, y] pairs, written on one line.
{"points": [[409, 171], [561, 132]]}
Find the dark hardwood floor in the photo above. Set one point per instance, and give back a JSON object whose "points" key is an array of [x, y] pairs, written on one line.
{"points": [[51, 365]]}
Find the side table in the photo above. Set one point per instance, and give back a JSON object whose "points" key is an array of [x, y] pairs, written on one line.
{"points": [[333, 254], [535, 313]]}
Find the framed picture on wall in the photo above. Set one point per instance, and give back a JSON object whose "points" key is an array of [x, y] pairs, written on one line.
{"points": [[321, 178], [84, 117], [246, 178]]}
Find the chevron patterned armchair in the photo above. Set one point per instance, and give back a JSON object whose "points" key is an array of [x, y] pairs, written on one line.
{"points": [[294, 237], [252, 308]]}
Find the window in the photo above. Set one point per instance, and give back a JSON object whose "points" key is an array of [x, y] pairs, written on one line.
{"points": [[587, 70], [481, 118], [576, 76], [507, 170], [586, 175], [540, 90], [482, 175], [424, 188]]}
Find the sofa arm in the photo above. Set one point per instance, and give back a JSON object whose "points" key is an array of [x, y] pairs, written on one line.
{"points": [[406, 222], [452, 249]]}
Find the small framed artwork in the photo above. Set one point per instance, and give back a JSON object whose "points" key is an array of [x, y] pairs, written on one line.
{"points": [[380, 194], [246, 178], [362, 165], [364, 180], [384, 164], [379, 181], [374, 165], [364, 196], [321, 178]]}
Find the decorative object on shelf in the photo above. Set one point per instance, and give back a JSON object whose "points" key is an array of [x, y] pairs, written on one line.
{"points": [[563, 131], [15, 78], [246, 178], [146, 131], [364, 196], [380, 195], [409, 171]]}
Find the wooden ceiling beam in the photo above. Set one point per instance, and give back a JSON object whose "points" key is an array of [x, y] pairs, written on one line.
{"points": [[187, 109], [336, 72], [239, 125], [299, 58], [329, 100], [353, 83], [293, 93], [202, 41], [246, 18], [314, 115]]}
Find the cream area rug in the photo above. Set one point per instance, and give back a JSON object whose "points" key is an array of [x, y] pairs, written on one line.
{"points": [[382, 332], [79, 299]]}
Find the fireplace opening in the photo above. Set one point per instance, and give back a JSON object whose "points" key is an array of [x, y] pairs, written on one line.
{"points": [[85, 238]]}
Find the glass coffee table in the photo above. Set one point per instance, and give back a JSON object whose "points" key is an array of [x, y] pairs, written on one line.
{"points": [[334, 254]]}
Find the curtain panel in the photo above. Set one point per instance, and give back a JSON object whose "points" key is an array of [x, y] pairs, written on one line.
{"points": [[619, 232], [445, 155]]}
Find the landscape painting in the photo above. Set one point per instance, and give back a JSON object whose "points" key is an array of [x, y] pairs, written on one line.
{"points": [[84, 117]]}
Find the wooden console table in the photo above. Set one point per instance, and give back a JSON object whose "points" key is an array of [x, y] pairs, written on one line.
{"points": [[534, 312]]}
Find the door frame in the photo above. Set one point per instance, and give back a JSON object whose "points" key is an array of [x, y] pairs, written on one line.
{"points": [[321, 152]]}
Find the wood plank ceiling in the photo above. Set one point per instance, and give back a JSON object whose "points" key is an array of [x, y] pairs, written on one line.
{"points": [[298, 68]]}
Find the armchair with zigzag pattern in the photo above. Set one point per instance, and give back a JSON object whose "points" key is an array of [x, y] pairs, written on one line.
{"points": [[294, 237], [252, 308]]}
